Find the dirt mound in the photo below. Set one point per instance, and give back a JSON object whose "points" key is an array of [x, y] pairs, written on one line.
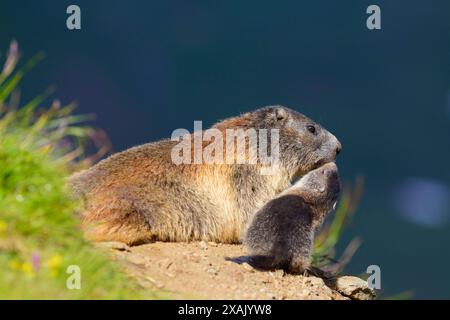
{"points": [[200, 270]]}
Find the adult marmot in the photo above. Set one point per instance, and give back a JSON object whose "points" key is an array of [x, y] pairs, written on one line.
{"points": [[140, 194], [281, 233]]}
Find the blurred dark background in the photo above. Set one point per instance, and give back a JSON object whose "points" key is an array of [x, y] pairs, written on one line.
{"points": [[146, 68]]}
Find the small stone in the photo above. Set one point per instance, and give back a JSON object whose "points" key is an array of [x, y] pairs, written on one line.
{"points": [[355, 288], [213, 271], [203, 245], [156, 283], [213, 244], [248, 267]]}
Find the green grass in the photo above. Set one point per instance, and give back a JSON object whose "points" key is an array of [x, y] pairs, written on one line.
{"points": [[324, 253], [39, 235]]}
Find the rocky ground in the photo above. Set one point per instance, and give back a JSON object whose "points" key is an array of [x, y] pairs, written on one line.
{"points": [[200, 270]]}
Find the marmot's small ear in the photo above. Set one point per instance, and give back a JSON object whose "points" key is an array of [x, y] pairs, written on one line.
{"points": [[279, 114]]}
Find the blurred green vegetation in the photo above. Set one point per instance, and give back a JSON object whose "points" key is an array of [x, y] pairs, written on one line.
{"points": [[39, 237], [324, 253]]}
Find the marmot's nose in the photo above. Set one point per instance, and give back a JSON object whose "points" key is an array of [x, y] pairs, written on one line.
{"points": [[330, 174]]}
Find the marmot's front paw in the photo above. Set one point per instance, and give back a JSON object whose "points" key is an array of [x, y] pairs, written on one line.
{"points": [[299, 265]]}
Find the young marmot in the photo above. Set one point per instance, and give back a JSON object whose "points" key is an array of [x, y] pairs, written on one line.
{"points": [[281, 234], [140, 194]]}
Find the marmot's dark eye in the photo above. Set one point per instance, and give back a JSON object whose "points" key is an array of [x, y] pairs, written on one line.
{"points": [[311, 128]]}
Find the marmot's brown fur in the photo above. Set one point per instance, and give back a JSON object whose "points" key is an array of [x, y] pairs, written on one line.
{"points": [[140, 195], [281, 234]]}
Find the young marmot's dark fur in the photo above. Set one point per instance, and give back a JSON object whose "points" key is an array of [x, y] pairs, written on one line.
{"points": [[281, 234], [140, 194]]}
